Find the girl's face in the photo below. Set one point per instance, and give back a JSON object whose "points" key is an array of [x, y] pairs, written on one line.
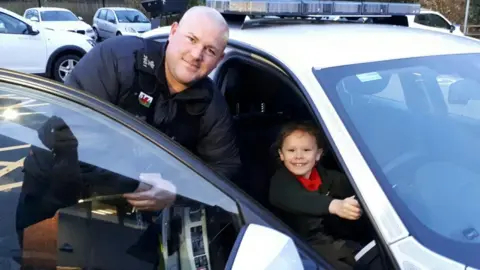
{"points": [[300, 153]]}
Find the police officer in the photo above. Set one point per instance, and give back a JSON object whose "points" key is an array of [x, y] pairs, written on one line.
{"points": [[166, 85]]}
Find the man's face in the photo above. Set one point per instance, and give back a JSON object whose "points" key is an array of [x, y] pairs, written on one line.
{"points": [[194, 49]]}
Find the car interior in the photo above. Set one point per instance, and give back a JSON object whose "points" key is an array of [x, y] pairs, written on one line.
{"points": [[262, 98], [418, 127]]}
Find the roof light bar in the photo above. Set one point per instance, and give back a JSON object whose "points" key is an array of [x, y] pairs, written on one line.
{"points": [[312, 7]]}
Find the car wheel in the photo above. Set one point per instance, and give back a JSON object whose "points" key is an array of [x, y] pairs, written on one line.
{"points": [[119, 34], [63, 66]]}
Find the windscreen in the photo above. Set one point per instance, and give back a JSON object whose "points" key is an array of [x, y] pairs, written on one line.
{"points": [[131, 16], [58, 16], [416, 121]]}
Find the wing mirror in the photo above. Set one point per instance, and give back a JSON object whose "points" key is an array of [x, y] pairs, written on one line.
{"points": [[80, 18], [259, 247], [33, 30], [452, 28], [462, 91]]}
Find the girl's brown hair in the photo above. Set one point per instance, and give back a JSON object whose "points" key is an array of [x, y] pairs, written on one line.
{"points": [[305, 126]]}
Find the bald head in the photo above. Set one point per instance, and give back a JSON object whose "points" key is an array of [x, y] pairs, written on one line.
{"points": [[210, 16], [196, 46]]}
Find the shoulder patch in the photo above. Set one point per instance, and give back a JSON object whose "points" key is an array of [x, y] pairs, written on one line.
{"points": [[145, 62], [150, 58]]}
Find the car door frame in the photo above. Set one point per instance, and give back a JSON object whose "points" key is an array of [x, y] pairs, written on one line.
{"points": [[111, 28], [237, 47], [100, 22], [251, 211]]}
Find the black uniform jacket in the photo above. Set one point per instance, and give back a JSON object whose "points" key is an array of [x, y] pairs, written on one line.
{"points": [[307, 211], [129, 72]]}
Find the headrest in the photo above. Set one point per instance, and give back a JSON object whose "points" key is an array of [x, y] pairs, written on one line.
{"points": [[366, 83], [462, 91], [231, 78]]}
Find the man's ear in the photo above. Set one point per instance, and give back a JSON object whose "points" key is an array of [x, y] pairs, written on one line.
{"points": [[220, 58], [173, 29], [282, 158]]}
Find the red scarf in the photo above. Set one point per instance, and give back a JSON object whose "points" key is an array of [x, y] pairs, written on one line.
{"points": [[312, 183]]}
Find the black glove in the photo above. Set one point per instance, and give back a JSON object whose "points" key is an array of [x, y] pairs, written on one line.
{"points": [[56, 135]]}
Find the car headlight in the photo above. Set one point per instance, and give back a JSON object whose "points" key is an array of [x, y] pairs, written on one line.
{"points": [[89, 30], [130, 29]]}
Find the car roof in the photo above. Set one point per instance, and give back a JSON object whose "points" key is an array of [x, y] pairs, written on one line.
{"points": [[426, 10], [329, 45], [50, 9], [119, 8], [13, 14]]}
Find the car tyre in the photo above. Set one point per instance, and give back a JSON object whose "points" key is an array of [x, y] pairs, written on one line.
{"points": [[119, 34], [63, 66]]}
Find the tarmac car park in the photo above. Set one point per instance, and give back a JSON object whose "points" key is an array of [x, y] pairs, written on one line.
{"points": [[401, 118]]}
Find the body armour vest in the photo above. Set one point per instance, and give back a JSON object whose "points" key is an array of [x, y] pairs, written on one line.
{"points": [[179, 116]]}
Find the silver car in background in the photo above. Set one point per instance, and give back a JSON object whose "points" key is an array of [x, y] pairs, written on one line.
{"points": [[117, 21]]}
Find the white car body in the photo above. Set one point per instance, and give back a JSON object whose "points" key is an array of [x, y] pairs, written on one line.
{"points": [[297, 49], [37, 52], [435, 21], [75, 26], [112, 21]]}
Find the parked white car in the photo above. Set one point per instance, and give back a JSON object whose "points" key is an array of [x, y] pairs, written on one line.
{"points": [[59, 19], [117, 21], [30, 48], [432, 20]]}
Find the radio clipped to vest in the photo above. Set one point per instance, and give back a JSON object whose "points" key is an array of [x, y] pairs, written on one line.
{"points": [[149, 99]]}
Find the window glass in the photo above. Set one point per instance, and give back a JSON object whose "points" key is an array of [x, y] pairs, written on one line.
{"points": [[63, 172], [29, 14], [424, 154], [439, 22], [422, 19], [131, 16], [110, 16], [102, 14], [10, 25], [58, 16]]}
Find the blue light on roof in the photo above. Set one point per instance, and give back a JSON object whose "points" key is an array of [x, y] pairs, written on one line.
{"points": [[312, 7]]}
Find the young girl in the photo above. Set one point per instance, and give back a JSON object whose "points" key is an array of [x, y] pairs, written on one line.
{"points": [[310, 196]]}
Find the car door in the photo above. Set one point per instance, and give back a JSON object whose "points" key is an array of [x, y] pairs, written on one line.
{"points": [[100, 22], [20, 50], [66, 159], [110, 24]]}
